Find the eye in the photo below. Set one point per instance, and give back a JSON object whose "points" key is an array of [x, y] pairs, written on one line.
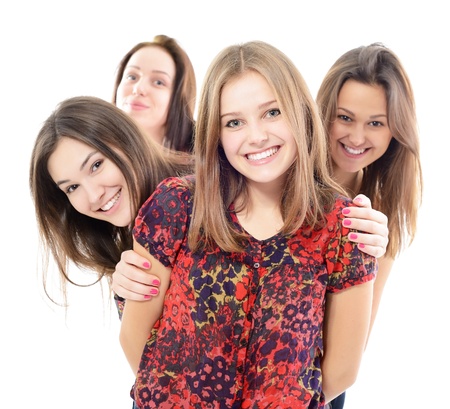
{"points": [[344, 118], [273, 113], [159, 83], [70, 189], [130, 77], [234, 123], [376, 123], [96, 165]]}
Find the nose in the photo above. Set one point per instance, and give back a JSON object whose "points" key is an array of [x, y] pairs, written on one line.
{"points": [[94, 194], [357, 135], [257, 135], [138, 88]]}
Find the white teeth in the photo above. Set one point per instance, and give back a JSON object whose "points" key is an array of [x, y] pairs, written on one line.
{"points": [[262, 155], [111, 203], [353, 151]]}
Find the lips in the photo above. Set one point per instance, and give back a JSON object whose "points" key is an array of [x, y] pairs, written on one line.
{"points": [[111, 202], [263, 155], [137, 105], [353, 151]]}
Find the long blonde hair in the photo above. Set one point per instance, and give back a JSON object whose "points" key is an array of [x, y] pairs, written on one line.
{"points": [[309, 188]]}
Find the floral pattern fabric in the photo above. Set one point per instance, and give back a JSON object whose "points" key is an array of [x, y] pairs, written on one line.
{"points": [[240, 330]]}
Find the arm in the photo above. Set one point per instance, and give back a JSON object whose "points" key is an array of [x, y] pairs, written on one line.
{"points": [[375, 223], [140, 317], [371, 222], [132, 279], [384, 269], [346, 328]]}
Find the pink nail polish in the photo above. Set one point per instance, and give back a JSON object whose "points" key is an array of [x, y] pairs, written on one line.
{"points": [[353, 236], [153, 291], [361, 245], [155, 282], [347, 222], [147, 297], [146, 264], [345, 211]]}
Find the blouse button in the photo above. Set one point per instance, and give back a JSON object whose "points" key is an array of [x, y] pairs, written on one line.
{"points": [[256, 265]]}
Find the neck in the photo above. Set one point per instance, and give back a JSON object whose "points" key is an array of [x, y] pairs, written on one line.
{"points": [[261, 215], [155, 135], [350, 181]]}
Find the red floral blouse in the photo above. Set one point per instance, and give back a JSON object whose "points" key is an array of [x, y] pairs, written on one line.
{"points": [[240, 330]]}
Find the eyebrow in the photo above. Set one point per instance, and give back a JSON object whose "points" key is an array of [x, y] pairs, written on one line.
{"points": [[371, 116], [83, 164], [262, 106], [153, 71]]}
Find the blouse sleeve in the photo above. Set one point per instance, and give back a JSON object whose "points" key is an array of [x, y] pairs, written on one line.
{"points": [[162, 222]]}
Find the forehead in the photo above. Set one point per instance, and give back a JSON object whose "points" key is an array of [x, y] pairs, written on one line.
{"points": [[153, 58], [68, 155], [246, 87], [354, 94]]}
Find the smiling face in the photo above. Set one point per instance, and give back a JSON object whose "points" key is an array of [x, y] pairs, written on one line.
{"points": [[255, 137], [146, 88], [94, 185], [360, 133]]}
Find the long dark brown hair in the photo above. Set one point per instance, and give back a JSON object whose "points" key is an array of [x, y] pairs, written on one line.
{"points": [[70, 236]]}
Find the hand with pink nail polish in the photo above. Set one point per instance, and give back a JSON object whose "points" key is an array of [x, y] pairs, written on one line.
{"points": [[131, 279], [371, 226]]}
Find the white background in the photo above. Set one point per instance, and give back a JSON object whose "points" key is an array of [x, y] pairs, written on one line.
{"points": [[50, 51]]}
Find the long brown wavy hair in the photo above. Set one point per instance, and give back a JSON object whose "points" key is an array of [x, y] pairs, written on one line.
{"points": [[393, 182]]}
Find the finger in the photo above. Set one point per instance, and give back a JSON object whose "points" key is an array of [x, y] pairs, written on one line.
{"points": [[365, 213], [368, 239], [128, 294], [367, 226], [362, 200], [125, 286], [370, 243], [373, 251], [131, 257]]}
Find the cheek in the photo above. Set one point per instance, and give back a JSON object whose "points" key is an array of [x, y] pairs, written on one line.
{"points": [[78, 203], [385, 141], [121, 93], [164, 101], [227, 146], [336, 132]]}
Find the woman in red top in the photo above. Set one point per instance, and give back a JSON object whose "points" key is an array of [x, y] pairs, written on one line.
{"points": [[264, 300]]}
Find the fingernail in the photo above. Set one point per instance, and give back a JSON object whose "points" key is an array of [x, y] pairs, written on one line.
{"points": [[146, 264], [353, 236], [147, 297], [346, 211], [361, 245], [153, 291], [358, 199], [347, 222], [155, 282]]}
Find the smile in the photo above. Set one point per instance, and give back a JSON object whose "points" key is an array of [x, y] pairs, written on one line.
{"points": [[112, 202], [262, 155], [353, 151]]}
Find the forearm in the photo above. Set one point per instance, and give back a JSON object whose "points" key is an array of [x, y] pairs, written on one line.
{"points": [[384, 269], [138, 319], [346, 328]]}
